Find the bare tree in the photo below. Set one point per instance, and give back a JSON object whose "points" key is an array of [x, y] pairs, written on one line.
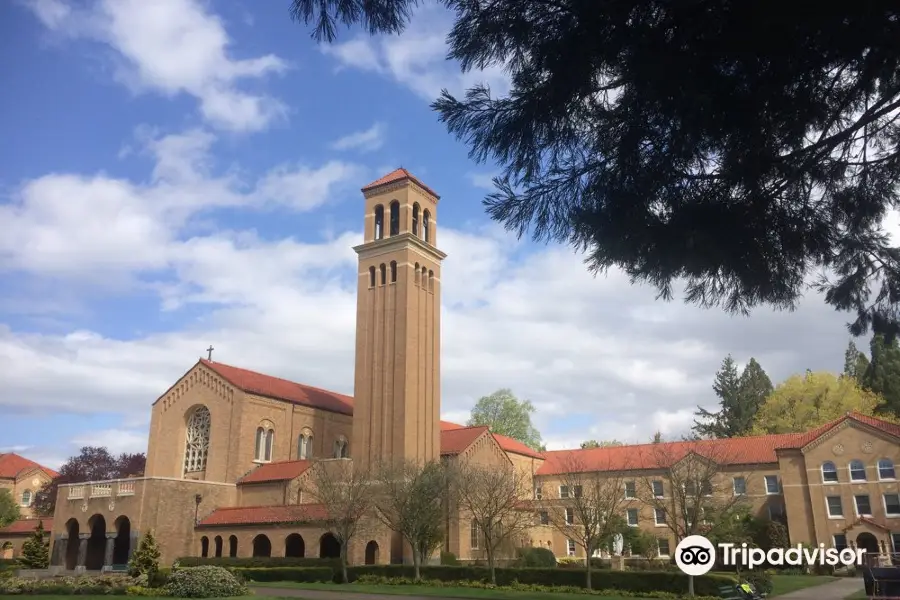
{"points": [[345, 493], [410, 500], [497, 500], [589, 511], [685, 485]]}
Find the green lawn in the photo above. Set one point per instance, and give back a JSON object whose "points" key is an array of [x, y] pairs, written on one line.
{"points": [[783, 584], [80, 597], [432, 592]]}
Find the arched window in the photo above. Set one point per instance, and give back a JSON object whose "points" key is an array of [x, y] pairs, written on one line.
{"points": [[417, 274], [265, 443], [424, 276], [393, 271], [304, 445], [197, 440], [415, 219], [379, 222], [383, 270], [204, 546], [430, 281], [857, 470], [886, 469], [26, 498], [395, 217], [371, 276], [829, 472], [426, 226]]}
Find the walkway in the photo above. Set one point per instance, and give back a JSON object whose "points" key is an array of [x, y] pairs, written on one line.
{"points": [[328, 595], [836, 590]]}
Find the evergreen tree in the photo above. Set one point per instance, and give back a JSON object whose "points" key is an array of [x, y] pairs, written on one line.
{"points": [[145, 560], [855, 362], [882, 376], [36, 550], [740, 396], [657, 438]]}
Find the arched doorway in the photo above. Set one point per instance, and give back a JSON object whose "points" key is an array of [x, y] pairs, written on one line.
{"points": [[204, 547], [262, 546], [70, 560], [232, 546], [122, 544], [218, 544], [96, 546], [329, 546], [372, 553], [294, 546], [868, 542], [6, 552]]}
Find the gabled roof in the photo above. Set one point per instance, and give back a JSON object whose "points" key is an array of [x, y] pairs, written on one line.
{"points": [[455, 441], [252, 382], [508, 444], [264, 515], [398, 175], [867, 521], [12, 465], [802, 439], [277, 471], [26, 526]]}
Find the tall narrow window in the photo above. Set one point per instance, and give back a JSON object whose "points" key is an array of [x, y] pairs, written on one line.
{"points": [[473, 535], [393, 271], [371, 276], [270, 443], [416, 275], [426, 225], [197, 440], [430, 281], [415, 219], [260, 439], [383, 270], [379, 222], [395, 217]]}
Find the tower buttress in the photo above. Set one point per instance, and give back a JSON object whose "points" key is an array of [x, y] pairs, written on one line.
{"points": [[397, 387]]}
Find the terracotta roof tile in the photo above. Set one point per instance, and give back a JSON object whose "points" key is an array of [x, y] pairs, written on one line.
{"points": [[26, 526], [802, 439], [282, 389], [455, 441], [12, 464], [507, 443], [398, 175], [264, 515], [276, 471]]}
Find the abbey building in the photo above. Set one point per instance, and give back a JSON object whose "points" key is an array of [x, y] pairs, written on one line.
{"points": [[229, 448]]}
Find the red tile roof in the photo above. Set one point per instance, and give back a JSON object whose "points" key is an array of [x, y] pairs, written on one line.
{"points": [[264, 515], [398, 175], [507, 443], [26, 526], [276, 471], [455, 441], [282, 389], [11, 465], [802, 439]]}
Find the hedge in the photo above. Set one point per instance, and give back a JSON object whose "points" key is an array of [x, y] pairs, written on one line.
{"points": [[259, 561], [641, 581], [298, 574]]}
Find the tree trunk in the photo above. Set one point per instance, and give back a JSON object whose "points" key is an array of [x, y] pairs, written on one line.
{"points": [[417, 574], [344, 576], [490, 557], [587, 565], [691, 586]]}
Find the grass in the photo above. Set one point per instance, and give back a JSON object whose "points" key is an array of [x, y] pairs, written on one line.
{"points": [[783, 584], [431, 592], [80, 597]]}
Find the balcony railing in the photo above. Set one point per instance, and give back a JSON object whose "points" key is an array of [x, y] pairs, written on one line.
{"points": [[101, 490], [76, 492], [125, 488]]}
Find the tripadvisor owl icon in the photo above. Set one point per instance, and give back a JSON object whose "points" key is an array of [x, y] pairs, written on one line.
{"points": [[695, 555]]}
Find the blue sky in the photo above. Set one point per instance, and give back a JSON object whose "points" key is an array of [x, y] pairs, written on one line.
{"points": [[177, 173]]}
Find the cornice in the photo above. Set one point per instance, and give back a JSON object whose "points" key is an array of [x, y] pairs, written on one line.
{"points": [[399, 185], [396, 242]]}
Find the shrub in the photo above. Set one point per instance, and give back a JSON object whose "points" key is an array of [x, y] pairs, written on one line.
{"points": [[145, 559], [67, 586], [761, 580], [297, 574], [160, 578], [259, 561], [36, 550], [536, 557], [204, 582], [448, 558]]}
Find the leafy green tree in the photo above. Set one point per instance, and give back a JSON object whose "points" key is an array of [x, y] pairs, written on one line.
{"points": [[856, 363], [620, 137], [803, 402], [505, 414], [657, 438], [9, 508], [882, 375], [145, 559], [36, 550], [601, 444], [740, 396]]}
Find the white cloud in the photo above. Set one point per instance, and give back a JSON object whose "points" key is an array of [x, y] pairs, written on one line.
{"points": [[173, 47], [365, 141], [116, 441], [416, 58], [483, 181]]}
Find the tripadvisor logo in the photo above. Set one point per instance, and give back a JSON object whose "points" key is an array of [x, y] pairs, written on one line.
{"points": [[696, 555]]}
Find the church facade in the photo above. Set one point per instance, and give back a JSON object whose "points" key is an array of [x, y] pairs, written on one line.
{"points": [[229, 449]]}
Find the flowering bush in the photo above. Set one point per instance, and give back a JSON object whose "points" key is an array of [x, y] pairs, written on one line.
{"points": [[59, 586], [204, 582]]}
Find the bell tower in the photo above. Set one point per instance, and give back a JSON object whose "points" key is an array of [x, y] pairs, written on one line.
{"points": [[397, 389]]}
